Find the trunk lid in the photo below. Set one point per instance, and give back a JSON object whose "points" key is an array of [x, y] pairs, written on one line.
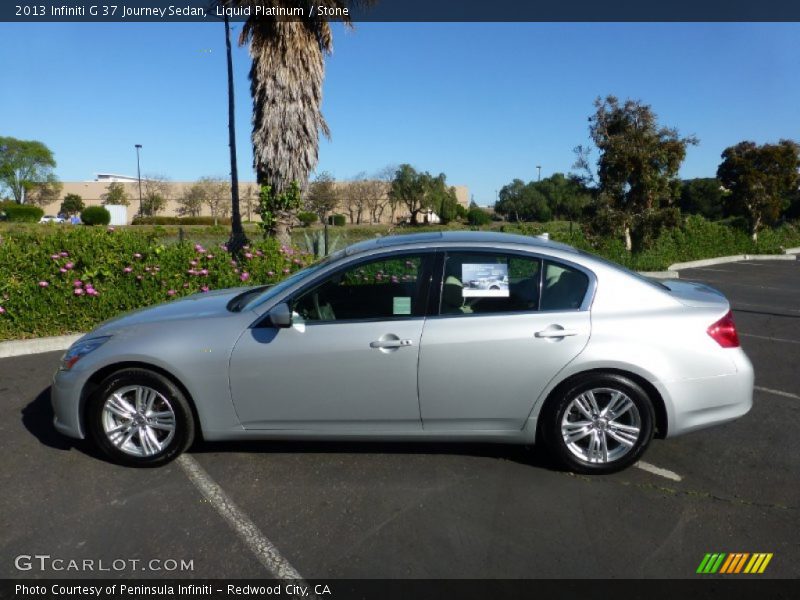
{"points": [[696, 294]]}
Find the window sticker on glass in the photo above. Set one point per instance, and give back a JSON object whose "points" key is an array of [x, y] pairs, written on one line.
{"points": [[401, 305], [485, 280]]}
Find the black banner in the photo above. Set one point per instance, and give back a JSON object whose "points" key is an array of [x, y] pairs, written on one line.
{"points": [[703, 587], [98, 11]]}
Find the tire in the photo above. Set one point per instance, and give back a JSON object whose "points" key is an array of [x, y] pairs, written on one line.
{"points": [[140, 418], [580, 434]]}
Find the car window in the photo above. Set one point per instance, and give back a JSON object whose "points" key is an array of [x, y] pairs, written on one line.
{"points": [[387, 288], [489, 282], [563, 287]]}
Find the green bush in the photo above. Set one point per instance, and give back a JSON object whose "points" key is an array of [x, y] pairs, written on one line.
{"points": [[140, 220], [337, 220], [125, 269], [307, 218], [477, 217], [21, 213], [95, 215]]}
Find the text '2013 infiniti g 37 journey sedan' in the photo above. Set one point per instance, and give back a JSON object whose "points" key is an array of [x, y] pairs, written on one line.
{"points": [[384, 340]]}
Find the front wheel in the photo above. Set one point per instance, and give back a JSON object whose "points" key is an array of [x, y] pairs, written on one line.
{"points": [[599, 424], [140, 418]]}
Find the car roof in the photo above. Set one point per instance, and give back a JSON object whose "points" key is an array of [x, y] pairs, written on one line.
{"points": [[454, 238]]}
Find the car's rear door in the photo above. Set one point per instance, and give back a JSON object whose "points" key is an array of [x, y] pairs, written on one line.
{"points": [[489, 353]]}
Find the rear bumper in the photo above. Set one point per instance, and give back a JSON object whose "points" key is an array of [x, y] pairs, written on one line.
{"points": [[698, 403]]}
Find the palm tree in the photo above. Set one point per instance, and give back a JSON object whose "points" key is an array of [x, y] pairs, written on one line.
{"points": [[286, 84]]}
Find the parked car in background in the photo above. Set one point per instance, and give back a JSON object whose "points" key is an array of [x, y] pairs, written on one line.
{"points": [[52, 219], [383, 340]]}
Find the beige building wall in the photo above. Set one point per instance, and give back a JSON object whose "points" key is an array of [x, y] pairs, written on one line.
{"points": [[92, 191]]}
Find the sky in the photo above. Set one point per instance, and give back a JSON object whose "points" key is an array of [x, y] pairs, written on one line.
{"points": [[483, 103]]}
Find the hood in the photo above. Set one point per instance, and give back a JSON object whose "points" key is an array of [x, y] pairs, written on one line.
{"points": [[196, 306], [696, 294]]}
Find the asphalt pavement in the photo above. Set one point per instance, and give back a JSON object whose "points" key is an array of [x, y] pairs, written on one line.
{"points": [[377, 510]]}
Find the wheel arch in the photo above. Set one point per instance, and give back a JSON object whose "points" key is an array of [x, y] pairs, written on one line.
{"points": [[96, 378], [659, 407]]}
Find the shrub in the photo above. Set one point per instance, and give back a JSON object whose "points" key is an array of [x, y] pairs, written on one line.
{"points": [[307, 218], [125, 269], [477, 217], [21, 213], [140, 220], [337, 220], [95, 215]]}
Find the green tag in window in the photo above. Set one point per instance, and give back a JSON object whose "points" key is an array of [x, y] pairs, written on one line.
{"points": [[402, 305]]}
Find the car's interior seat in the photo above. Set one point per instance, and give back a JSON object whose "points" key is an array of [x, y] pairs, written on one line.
{"points": [[453, 297], [566, 292]]}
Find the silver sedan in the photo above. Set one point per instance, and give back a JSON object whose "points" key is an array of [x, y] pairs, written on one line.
{"points": [[386, 340]]}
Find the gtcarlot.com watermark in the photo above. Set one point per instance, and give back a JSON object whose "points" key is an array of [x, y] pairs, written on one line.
{"points": [[46, 562]]}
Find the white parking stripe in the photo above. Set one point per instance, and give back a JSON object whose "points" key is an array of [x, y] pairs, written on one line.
{"points": [[771, 339], [265, 551], [776, 392], [658, 471]]}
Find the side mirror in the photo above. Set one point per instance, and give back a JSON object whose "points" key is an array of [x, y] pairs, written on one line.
{"points": [[281, 315]]}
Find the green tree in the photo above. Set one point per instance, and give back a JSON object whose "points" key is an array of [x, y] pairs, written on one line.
{"points": [[761, 179], [278, 210], [24, 164], [157, 193], [703, 196], [637, 169], [440, 197], [408, 189], [322, 197], [116, 195], [191, 201], [72, 204]]}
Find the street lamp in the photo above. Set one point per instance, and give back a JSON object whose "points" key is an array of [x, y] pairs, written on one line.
{"points": [[539, 169], [139, 174]]}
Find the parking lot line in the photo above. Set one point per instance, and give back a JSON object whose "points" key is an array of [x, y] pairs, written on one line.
{"points": [[265, 550], [776, 392], [771, 339], [644, 466]]}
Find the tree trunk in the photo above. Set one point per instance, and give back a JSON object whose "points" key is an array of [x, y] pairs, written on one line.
{"points": [[756, 225], [628, 243], [238, 239], [283, 230]]}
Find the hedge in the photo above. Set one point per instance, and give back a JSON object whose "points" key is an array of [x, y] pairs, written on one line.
{"points": [[62, 280], [137, 220], [21, 213]]}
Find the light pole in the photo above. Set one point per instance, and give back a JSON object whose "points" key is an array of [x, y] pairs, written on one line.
{"points": [[539, 169], [139, 175]]}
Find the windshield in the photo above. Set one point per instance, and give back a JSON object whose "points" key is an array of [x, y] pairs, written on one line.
{"points": [[278, 288]]}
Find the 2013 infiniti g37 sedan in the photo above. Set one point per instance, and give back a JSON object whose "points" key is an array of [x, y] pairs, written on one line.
{"points": [[384, 340]]}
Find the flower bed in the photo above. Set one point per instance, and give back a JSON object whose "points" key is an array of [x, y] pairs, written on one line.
{"points": [[67, 280]]}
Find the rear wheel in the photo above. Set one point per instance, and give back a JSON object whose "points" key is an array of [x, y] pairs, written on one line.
{"points": [[140, 418], [600, 423]]}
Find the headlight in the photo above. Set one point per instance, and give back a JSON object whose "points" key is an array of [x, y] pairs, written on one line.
{"points": [[81, 349]]}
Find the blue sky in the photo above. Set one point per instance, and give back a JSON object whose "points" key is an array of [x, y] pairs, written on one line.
{"points": [[482, 102]]}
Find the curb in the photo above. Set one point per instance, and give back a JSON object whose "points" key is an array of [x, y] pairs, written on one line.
{"points": [[792, 250], [37, 345], [707, 262]]}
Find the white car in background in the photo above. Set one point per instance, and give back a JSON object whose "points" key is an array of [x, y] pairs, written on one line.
{"points": [[52, 219]]}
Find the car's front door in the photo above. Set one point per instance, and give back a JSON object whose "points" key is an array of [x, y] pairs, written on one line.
{"points": [[349, 360], [492, 350]]}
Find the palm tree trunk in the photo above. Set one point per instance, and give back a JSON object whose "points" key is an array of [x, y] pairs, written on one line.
{"points": [[238, 239]]}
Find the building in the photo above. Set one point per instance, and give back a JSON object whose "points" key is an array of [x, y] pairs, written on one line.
{"points": [[92, 194]]}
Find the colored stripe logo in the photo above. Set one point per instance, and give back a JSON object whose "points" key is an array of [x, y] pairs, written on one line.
{"points": [[734, 563]]}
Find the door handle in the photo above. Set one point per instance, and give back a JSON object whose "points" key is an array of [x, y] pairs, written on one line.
{"points": [[556, 333], [391, 344]]}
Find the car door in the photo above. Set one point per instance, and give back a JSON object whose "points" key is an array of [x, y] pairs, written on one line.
{"points": [[349, 360], [491, 351]]}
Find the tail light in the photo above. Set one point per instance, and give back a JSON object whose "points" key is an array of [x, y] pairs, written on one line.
{"points": [[724, 332]]}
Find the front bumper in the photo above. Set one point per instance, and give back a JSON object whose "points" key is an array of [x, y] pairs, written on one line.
{"points": [[65, 396]]}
